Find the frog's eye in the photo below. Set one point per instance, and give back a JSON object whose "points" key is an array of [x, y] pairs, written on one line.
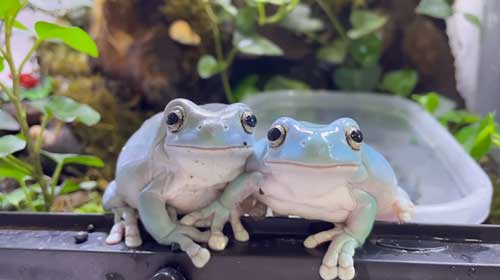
{"points": [[276, 135], [175, 119], [354, 137], [248, 121]]}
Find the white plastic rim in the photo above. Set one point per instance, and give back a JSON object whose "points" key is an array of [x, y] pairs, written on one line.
{"points": [[474, 185]]}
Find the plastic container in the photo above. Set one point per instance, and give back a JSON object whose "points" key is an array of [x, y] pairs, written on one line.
{"points": [[444, 182]]}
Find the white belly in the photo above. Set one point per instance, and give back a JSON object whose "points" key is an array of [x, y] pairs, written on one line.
{"points": [[328, 201]]}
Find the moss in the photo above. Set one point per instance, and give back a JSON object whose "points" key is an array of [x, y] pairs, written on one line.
{"points": [[191, 11]]}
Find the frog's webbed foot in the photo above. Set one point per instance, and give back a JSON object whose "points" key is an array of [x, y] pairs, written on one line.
{"points": [[125, 226], [314, 240], [219, 215], [404, 208], [338, 260], [184, 236]]}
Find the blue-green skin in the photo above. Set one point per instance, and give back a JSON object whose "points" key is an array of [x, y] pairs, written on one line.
{"points": [[162, 172], [316, 174]]}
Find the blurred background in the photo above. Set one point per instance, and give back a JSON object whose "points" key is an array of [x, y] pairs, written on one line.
{"points": [[79, 77]]}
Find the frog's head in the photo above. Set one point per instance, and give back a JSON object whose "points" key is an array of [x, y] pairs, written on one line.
{"points": [[216, 131], [297, 145]]}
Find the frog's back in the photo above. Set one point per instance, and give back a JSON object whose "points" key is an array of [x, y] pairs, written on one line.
{"points": [[138, 147]]}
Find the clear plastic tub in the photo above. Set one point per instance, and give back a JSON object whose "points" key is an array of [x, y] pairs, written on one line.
{"points": [[444, 182]]}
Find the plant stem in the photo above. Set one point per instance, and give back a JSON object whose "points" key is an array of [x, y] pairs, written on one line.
{"points": [[28, 56], [12, 160], [282, 12], [37, 173], [55, 178], [218, 49], [333, 19], [39, 138], [27, 193]]}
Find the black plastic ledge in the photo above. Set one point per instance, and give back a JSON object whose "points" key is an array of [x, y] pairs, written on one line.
{"points": [[41, 246]]}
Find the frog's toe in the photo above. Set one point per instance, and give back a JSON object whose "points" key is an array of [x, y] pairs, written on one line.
{"points": [[404, 217], [314, 240], [132, 237], [328, 272], [346, 273], [241, 235], [116, 234], [200, 258], [404, 210], [217, 241]]}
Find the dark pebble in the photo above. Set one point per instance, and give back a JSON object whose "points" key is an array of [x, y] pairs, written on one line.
{"points": [[90, 228], [81, 237]]}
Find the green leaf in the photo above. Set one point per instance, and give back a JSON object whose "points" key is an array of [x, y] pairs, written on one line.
{"points": [[255, 45], [15, 197], [459, 117], [279, 82], [357, 79], [41, 91], [367, 50], [2, 65], [364, 22], [19, 25], [7, 122], [8, 170], [69, 186], [9, 8], [246, 87], [72, 36], [334, 53], [430, 101], [401, 82], [227, 6], [208, 66], [246, 21], [435, 8], [88, 185], [473, 19], [300, 20], [477, 137], [85, 160], [67, 110], [10, 144]]}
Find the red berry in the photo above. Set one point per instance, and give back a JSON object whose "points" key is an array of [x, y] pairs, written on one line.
{"points": [[28, 81]]}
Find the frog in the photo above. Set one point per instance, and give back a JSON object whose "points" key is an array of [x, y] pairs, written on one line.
{"points": [[178, 161], [322, 172]]}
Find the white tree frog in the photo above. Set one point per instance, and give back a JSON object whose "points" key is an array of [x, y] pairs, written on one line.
{"points": [[323, 172], [177, 162]]}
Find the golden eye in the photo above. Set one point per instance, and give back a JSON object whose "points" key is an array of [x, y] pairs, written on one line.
{"points": [[248, 121], [276, 135], [354, 137], [175, 119]]}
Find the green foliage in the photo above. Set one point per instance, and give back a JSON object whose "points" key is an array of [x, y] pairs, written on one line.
{"points": [[366, 51], [247, 87], [7, 122], [300, 20], [473, 19], [335, 52], [365, 22], [255, 45], [279, 82], [435, 8], [72, 36], [357, 79], [10, 144], [478, 135], [39, 195], [75, 159], [68, 110], [400, 82], [208, 66]]}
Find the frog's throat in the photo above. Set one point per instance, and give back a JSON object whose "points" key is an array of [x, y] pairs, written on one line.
{"points": [[313, 165], [209, 148]]}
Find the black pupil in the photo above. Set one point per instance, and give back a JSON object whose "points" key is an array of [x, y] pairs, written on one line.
{"points": [[172, 118], [251, 120], [357, 136], [273, 134]]}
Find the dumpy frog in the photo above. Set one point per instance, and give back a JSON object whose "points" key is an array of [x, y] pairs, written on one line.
{"points": [[177, 162], [323, 172]]}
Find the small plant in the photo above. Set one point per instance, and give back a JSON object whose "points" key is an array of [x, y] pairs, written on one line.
{"points": [[478, 135], [38, 189]]}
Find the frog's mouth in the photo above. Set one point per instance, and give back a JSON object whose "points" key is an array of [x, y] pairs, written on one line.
{"points": [[315, 166], [200, 148]]}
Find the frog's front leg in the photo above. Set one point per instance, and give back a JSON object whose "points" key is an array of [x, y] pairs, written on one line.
{"points": [[338, 260], [403, 206], [164, 229], [225, 209]]}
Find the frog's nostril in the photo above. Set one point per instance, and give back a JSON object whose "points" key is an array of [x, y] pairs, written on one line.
{"points": [[245, 143], [226, 127], [199, 127], [303, 143]]}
